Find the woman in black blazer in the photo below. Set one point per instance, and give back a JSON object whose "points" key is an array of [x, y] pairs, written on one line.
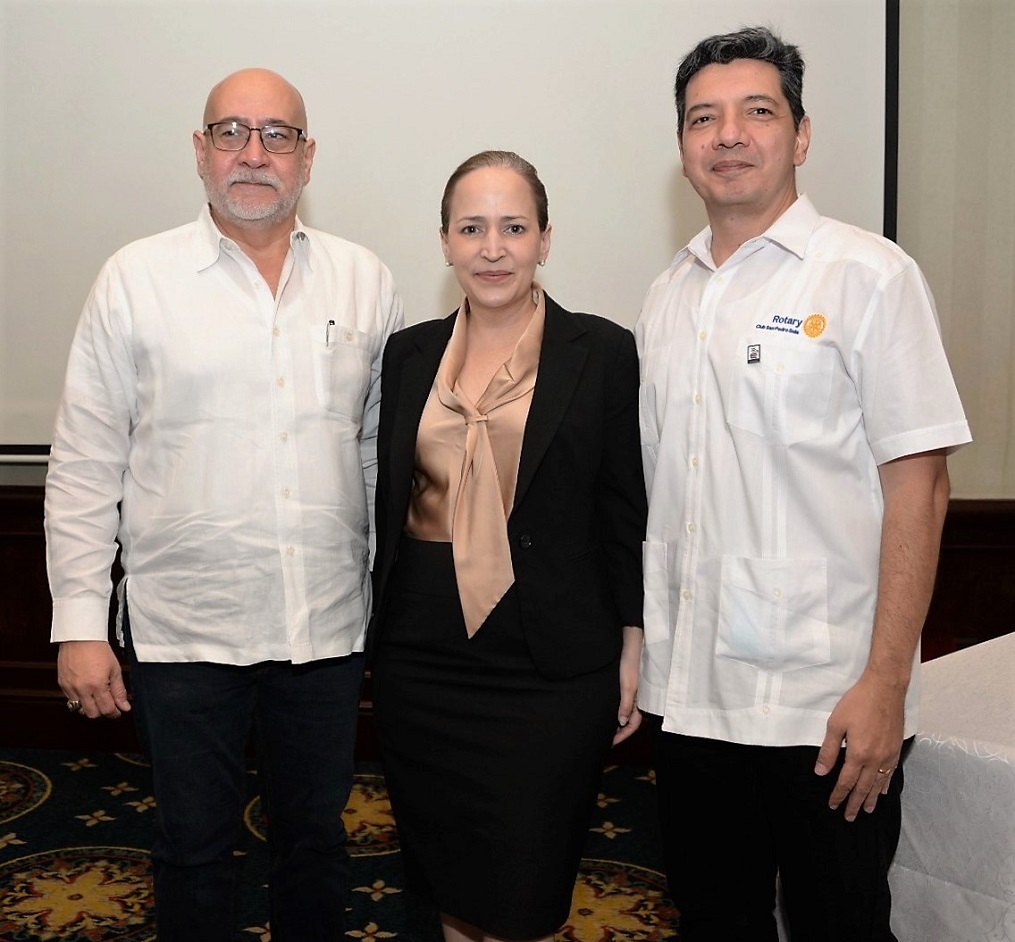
{"points": [[508, 585]]}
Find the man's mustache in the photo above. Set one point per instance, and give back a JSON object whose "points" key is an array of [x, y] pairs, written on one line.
{"points": [[254, 176]]}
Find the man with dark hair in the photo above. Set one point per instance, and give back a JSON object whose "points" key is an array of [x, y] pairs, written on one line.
{"points": [[797, 408], [219, 418], [756, 43]]}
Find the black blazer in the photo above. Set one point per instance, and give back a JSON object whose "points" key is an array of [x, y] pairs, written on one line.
{"points": [[579, 514]]}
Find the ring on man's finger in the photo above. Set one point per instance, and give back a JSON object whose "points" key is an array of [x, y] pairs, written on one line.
{"points": [[887, 771], [73, 705]]}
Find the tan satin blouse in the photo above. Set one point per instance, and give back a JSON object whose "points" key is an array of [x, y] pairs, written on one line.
{"points": [[467, 465]]}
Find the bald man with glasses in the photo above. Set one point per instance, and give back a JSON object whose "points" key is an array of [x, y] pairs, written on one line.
{"points": [[219, 421]]}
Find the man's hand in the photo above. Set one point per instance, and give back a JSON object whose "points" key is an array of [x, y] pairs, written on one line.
{"points": [[869, 717], [88, 671]]}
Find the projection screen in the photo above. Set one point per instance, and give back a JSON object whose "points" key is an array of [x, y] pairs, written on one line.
{"points": [[98, 100]]}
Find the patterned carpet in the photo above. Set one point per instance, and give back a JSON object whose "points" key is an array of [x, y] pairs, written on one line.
{"points": [[75, 832]]}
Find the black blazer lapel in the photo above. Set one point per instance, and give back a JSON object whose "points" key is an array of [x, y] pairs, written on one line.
{"points": [[561, 359]]}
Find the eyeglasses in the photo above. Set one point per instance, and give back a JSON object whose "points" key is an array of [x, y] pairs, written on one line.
{"points": [[275, 138]]}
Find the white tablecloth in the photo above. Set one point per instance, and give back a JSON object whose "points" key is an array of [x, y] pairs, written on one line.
{"points": [[954, 875]]}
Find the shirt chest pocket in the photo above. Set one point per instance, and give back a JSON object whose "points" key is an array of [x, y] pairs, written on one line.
{"points": [[784, 396], [342, 370]]}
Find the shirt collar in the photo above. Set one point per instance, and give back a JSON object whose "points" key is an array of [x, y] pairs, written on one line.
{"points": [[209, 240], [792, 230]]}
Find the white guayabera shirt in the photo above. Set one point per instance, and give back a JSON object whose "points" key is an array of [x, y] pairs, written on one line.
{"points": [[238, 429], [772, 388]]}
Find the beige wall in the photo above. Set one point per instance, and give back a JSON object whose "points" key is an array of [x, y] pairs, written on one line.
{"points": [[957, 210]]}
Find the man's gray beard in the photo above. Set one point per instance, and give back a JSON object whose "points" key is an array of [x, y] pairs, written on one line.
{"points": [[275, 211]]}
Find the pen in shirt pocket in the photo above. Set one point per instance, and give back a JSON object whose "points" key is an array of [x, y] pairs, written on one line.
{"points": [[327, 332]]}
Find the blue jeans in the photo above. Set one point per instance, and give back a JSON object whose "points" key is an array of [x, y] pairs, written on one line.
{"points": [[194, 719]]}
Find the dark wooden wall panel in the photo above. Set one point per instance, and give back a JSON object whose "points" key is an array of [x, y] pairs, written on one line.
{"points": [[974, 598], [973, 601], [32, 709]]}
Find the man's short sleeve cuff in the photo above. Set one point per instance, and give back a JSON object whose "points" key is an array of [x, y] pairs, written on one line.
{"points": [[949, 437]]}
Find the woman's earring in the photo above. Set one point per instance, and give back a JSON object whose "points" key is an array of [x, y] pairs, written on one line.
{"points": [[447, 263], [542, 261]]}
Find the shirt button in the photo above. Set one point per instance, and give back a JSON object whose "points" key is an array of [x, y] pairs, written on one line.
{"points": [[691, 528], [702, 335], [694, 462], [348, 336], [283, 437], [286, 492], [280, 382], [290, 551], [780, 369], [777, 594], [764, 711], [525, 541], [686, 595], [697, 399], [275, 332]]}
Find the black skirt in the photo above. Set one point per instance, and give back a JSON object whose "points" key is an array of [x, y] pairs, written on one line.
{"points": [[492, 769]]}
